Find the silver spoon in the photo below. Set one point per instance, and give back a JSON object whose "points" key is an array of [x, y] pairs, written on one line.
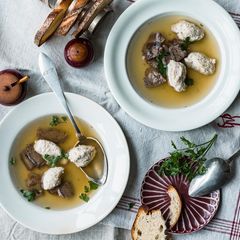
{"points": [[49, 73], [217, 175]]}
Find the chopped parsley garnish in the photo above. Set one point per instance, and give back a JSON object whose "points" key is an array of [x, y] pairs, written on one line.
{"points": [[29, 195], [84, 197], [93, 186], [57, 120], [189, 81], [162, 68], [64, 118], [131, 205], [53, 160], [188, 161], [185, 44], [12, 161], [88, 189]]}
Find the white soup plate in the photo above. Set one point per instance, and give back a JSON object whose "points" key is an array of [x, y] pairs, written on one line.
{"points": [[226, 88], [105, 199]]}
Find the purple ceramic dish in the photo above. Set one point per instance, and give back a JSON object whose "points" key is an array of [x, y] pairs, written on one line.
{"points": [[196, 212]]}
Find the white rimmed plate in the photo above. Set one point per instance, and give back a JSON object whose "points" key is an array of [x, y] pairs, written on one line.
{"points": [[106, 198], [227, 86]]}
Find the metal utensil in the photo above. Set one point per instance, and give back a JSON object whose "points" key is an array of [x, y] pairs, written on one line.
{"points": [[217, 175], [49, 73]]}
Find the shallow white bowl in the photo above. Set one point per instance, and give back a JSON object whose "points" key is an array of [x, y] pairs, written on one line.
{"points": [[105, 199], [227, 86]]}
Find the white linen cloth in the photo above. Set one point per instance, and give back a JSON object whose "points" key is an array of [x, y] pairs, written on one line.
{"points": [[19, 21]]}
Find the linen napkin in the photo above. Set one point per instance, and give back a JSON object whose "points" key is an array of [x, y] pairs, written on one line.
{"points": [[19, 20]]}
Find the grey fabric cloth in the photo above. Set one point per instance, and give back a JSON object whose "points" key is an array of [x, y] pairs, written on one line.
{"points": [[19, 20]]}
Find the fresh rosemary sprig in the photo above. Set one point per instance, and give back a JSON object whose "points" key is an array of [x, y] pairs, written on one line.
{"points": [[188, 161]]}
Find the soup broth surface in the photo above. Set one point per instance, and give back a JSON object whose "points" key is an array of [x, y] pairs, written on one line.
{"points": [[165, 95], [71, 173]]}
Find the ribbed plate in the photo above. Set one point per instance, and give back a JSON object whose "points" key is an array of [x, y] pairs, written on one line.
{"points": [[196, 212]]}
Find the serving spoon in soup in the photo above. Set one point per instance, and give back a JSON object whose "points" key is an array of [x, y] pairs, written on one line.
{"points": [[49, 73]]}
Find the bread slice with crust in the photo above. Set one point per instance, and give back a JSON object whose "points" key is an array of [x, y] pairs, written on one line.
{"points": [[91, 13], [175, 206], [71, 17], [52, 22], [149, 225]]}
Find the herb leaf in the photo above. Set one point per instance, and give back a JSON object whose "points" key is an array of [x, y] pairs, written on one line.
{"points": [[86, 189], [188, 161], [64, 118], [131, 205], [12, 161], [93, 186], [187, 142], [162, 68], [55, 120], [29, 195], [189, 81], [185, 44], [52, 160], [84, 197]]}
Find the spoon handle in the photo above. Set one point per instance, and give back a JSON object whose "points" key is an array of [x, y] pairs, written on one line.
{"points": [[49, 73], [234, 156]]}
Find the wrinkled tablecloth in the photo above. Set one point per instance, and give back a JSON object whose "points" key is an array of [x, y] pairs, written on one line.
{"points": [[19, 20]]}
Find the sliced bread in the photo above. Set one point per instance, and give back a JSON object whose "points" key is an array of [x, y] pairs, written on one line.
{"points": [[175, 205], [149, 225]]}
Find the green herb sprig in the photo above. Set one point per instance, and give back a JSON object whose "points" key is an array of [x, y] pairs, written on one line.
{"points": [[188, 161], [53, 160], [12, 161], [56, 120], [189, 81], [29, 195], [88, 189], [84, 197], [162, 68], [185, 44]]}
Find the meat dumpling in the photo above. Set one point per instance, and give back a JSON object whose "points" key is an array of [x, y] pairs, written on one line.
{"points": [[52, 178], [185, 29], [176, 73], [45, 147], [82, 155], [201, 63]]}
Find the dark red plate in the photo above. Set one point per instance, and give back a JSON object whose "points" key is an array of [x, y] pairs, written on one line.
{"points": [[196, 212]]}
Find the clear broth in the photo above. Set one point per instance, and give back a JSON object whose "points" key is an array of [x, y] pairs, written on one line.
{"points": [[165, 95], [71, 173]]}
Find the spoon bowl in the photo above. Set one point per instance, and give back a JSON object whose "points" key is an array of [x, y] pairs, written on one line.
{"points": [[217, 174]]}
